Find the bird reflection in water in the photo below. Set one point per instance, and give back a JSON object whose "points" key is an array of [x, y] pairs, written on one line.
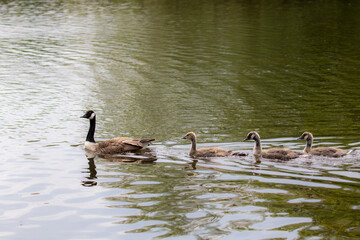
{"points": [[92, 174], [257, 160], [141, 157], [91, 170], [191, 166]]}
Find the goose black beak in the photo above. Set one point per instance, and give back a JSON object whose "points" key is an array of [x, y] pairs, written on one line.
{"points": [[183, 137], [83, 116], [246, 139]]}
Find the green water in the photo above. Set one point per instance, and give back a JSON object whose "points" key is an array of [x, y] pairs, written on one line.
{"points": [[161, 69], [280, 68]]}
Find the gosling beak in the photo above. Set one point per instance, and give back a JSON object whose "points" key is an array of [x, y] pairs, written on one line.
{"points": [[246, 139], [184, 137]]}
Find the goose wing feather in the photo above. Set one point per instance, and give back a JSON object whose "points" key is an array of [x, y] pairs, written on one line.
{"points": [[120, 139], [327, 151], [117, 145], [123, 144], [212, 152], [280, 153], [139, 142]]}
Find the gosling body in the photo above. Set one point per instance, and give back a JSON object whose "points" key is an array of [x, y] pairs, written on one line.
{"points": [[114, 145], [209, 151], [320, 151], [272, 153]]}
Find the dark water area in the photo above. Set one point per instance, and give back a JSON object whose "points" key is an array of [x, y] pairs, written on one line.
{"points": [[161, 69]]}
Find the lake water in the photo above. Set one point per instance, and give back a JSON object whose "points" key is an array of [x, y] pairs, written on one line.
{"points": [[161, 69]]}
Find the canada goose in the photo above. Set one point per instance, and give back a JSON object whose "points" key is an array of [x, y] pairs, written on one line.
{"points": [[114, 145], [210, 151], [320, 151], [272, 153]]}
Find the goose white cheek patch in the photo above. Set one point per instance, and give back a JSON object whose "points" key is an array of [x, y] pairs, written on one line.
{"points": [[92, 116]]}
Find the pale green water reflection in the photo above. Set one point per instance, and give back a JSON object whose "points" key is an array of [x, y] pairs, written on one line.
{"points": [[161, 69]]}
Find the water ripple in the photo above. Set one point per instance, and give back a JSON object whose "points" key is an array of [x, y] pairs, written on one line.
{"points": [[163, 69]]}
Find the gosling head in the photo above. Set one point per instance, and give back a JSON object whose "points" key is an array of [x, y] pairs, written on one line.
{"points": [[252, 136], [306, 136], [190, 135], [89, 115]]}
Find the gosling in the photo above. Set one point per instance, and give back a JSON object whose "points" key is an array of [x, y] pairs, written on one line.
{"points": [[114, 145], [272, 153], [208, 152], [321, 151]]}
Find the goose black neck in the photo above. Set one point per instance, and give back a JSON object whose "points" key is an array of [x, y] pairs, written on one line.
{"points": [[90, 135]]}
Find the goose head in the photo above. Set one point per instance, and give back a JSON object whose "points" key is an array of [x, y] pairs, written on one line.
{"points": [[306, 136], [89, 115], [190, 136], [252, 136]]}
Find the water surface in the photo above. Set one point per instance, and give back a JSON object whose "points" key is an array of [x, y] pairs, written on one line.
{"points": [[161, 69]]}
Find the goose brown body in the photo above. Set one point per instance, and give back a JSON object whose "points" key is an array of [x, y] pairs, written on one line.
{"points": [[114, 145], [280, 153], [120, 145], [272, 153], [209, 151], [320, 151]]}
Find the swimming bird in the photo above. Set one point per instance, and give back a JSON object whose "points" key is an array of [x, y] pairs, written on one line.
{"points": [[210, 151], [272, 153], [114, 145], [321, 151]]}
